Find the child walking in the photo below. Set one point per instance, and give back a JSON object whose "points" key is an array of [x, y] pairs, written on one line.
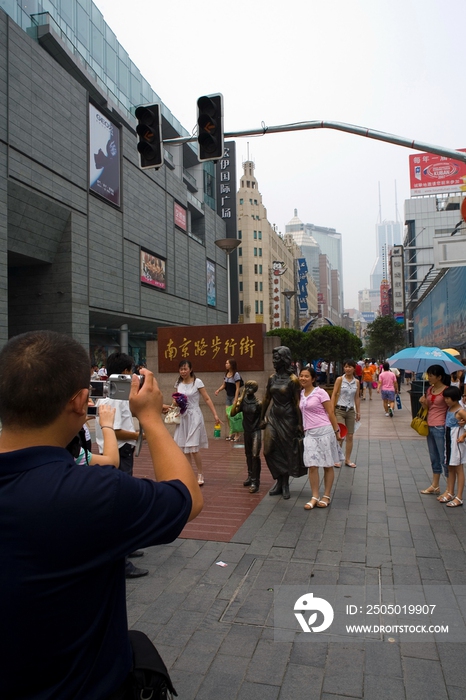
{"points": [[455, 447]]}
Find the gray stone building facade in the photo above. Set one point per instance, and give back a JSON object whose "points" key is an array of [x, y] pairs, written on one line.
{"points": [[70, 260]]}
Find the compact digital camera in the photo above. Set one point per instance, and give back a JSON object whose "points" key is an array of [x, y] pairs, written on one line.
{"points": [[118, 386]]}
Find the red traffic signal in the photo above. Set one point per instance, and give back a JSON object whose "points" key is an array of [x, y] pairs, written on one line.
{"points": [[210, 127], [149, 131]]}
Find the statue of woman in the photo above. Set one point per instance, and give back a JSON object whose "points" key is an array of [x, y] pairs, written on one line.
{"points": [[283, 424]]}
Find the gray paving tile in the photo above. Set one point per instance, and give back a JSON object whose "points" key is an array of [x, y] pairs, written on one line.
{"points": [[377, 688], [423, 679]]}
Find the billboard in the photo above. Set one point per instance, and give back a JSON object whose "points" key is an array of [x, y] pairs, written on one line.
{"points": [[180, 217], [432, 173], [104, 156], [153, 270], [211, 283]]}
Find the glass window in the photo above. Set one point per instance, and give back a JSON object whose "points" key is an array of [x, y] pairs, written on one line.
{"points": [[260, 269], [240, 235], [250, 201], [260, 252], [111, 63], [255, 269], [240, 252], [97, 18], [255, 235], [97, 49], [111, 38], [123, 77], [260, 235], [248, 184], [256, 306], [240, 201], [255, 252], [241, 305], [240, 269], [256, 286], [255, 201], [260, 287], [240, 286], [261, 305], [67, 11]]}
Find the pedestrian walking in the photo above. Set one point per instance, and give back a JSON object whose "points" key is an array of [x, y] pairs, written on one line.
{"points": [[346, 406], [388, 387]]}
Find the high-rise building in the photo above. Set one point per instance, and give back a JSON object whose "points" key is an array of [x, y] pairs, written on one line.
{"points": [[266, 264], [93, 245], [388, 234]]}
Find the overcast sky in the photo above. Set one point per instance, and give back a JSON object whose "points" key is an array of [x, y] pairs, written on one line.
{"points": [[389, 65]]}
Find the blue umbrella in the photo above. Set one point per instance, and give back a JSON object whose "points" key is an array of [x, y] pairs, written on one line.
{"points": [[419, 359]]}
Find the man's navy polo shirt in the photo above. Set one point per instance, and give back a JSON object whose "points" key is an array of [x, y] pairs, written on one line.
{"points": [[64, 532]]}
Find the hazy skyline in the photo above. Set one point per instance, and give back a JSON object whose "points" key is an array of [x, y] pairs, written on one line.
{"points": [[392, 67]]}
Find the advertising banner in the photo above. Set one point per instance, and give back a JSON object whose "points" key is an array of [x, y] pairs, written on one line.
{"points": [[153, 270], [104, 156], [432, 173], [211, 284], [179, 213]]}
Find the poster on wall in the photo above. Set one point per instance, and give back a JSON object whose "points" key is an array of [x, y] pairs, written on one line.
{"points": [[211, 284], [153, 270], [104, 156], [179, 213]]}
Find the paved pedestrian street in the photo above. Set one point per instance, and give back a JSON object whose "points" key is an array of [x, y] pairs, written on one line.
{"points": [[215, 625]]}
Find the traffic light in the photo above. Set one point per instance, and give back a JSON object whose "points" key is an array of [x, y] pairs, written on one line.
{"points": [[149, 130], [210, 127]]}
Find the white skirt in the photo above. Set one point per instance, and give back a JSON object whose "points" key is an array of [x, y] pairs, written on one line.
{"points": [[321, 447]]}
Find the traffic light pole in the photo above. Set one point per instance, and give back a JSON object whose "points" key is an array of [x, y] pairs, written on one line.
{"points": [[338, 126]]}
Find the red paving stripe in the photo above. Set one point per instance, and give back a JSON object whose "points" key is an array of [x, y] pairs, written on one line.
{"points": [[227, 503]]}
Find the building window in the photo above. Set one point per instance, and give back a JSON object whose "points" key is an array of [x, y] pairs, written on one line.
{"points": [[240, 252], [260, 269], [256, 286], [240, 286], [240, 235], [256, 305], [260, 252], [248, 183], [261, 307], [255, 252], [253, 185], [240, 269], [242, 183], [255, 269], [240, 201], [255, 201], [250, 201], [260, 287], [260, 235], [241, 307], [255, 235]]}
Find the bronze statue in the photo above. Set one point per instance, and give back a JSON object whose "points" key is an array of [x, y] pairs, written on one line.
{"points": [[252, 416], [283, 428]]}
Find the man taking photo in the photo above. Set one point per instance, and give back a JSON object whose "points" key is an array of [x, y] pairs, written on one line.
{"points": [[66, 528]]}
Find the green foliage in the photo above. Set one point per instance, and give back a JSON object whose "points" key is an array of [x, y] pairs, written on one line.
{"points": [[333, 343], [291, 338], [330, 342], [384, 337]]}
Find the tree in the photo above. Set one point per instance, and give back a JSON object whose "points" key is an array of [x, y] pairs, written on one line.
{"points": [[384, 337], [333, 343], [293, 339]]}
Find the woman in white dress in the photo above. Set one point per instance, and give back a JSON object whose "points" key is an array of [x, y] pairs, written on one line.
{"points": [[190, 435]]}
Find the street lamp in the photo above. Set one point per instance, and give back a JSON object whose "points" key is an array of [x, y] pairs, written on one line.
{"points": [[228, 245], [289, 294]]}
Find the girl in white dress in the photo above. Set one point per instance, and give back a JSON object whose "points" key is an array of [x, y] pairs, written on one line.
{"points": [[190, 435]]}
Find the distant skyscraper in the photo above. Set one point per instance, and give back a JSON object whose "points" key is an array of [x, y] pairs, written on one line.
{"points": [[388, 233]]}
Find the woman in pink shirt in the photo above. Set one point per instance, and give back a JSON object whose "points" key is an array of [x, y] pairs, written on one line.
{"points": [[437, 411], [320, 437], [388, 384]]}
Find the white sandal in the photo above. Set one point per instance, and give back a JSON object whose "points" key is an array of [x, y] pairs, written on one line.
{"points": [[310, 505], [324, 503]]}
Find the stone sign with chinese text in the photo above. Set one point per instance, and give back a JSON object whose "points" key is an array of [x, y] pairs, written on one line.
{"points": [[208, 347]]}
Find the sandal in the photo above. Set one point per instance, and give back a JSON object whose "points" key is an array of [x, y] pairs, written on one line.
{"points": [[324, 504], [350, 464], [310, 505], [431, 490], [446, 498], [452, 503], [200, 479]]}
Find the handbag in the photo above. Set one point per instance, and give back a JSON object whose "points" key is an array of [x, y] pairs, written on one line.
{"points": [[236, 422], [419, 422], [398, 401], [173, 416], [149, 677]]}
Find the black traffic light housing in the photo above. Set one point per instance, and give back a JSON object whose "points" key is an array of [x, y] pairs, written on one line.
{"points": [[210, 127], [149, 130]]}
